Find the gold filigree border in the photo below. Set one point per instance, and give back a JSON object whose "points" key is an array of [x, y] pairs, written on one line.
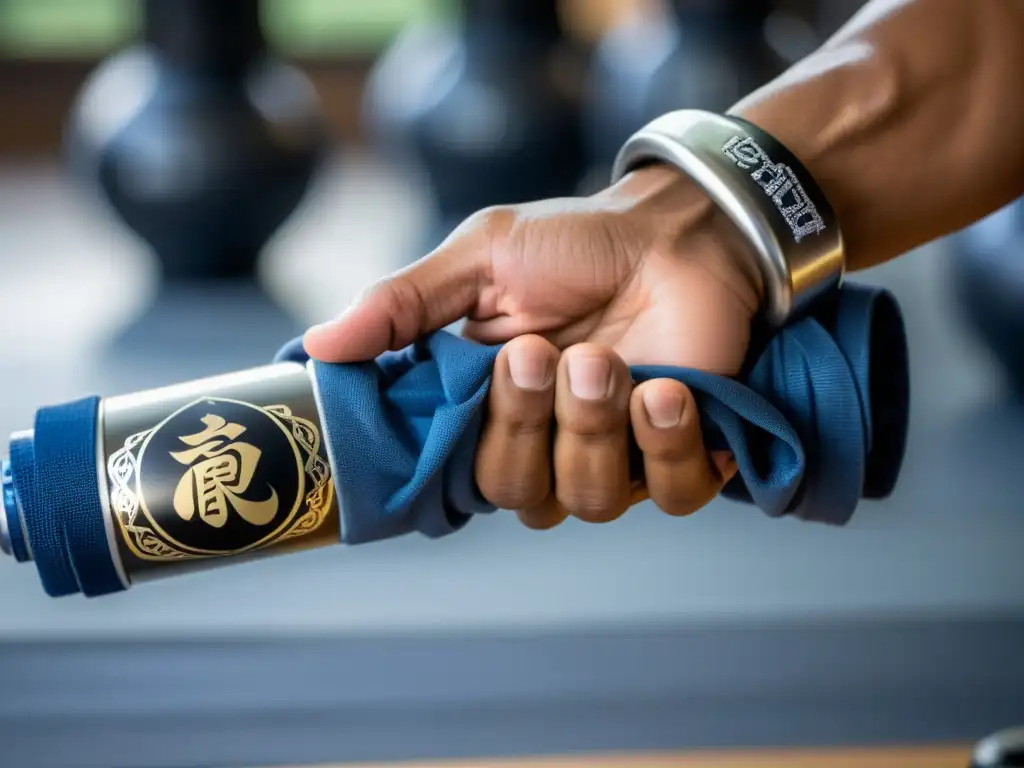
{"points": [[123, 474]]}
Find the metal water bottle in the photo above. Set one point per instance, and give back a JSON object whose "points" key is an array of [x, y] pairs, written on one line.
{"points": [[151, 484]]}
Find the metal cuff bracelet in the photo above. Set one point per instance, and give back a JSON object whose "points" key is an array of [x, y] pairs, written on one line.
{"points": [[763, 189]]}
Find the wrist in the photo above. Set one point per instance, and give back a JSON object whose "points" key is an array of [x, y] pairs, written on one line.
{"points": [[764, 190], [681, 222]]}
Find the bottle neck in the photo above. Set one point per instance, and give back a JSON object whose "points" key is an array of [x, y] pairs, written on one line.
{"points": [[216, 37]]}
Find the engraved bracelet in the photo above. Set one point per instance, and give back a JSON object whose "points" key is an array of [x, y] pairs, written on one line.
{"points": [[763, 189]]}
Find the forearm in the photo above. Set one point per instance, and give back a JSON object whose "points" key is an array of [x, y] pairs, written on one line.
{"points": [[911, 119]]}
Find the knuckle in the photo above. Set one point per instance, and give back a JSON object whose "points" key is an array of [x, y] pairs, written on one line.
{"points": [[493, 223], [541, 518], [674, 449], [675, 504], [595, 427], [405, 304], [682, 501], [594, 422], [592, 506], [519, 414], [515, 492], [528, 425]]}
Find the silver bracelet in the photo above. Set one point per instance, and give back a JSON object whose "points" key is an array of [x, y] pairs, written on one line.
{"points": [[763, 189]]}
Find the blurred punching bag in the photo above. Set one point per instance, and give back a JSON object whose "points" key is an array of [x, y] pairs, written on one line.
{"points": [[682, 54], [486, 109], [987, 277], [203, 143]]}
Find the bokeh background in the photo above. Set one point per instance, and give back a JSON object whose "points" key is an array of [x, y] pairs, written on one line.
{"points": [[721, 630]]}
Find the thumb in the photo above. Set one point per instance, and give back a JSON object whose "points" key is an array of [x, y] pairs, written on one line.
{"points": [[426, 296]]}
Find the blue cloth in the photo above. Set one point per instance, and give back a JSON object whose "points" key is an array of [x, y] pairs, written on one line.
{"points": [[817, 421], [56, 481]]}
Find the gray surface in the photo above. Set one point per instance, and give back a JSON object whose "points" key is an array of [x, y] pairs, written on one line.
{"points": [[168, 705]]}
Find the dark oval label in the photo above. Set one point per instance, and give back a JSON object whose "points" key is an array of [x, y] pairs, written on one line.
{"points": [[220, 476]]}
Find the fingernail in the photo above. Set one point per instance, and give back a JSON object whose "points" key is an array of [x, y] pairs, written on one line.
{"points": [[532, 372], [664, 409], [590, 376]]}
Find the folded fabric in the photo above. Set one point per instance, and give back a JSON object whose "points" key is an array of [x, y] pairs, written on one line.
{"points": [[817, 421]]}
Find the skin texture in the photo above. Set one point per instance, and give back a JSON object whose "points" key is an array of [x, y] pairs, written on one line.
{"points": [[909, 118]]}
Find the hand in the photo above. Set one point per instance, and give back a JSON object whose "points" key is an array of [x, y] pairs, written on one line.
{"points": [[645, 272]]}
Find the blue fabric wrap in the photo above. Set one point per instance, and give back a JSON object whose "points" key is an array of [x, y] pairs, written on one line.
{"points": [[817, 421], [56, 481]]}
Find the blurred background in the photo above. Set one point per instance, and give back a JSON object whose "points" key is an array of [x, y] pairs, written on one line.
{"points": [[262, 193]]}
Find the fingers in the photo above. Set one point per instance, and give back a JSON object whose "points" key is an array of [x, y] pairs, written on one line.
{"points": [[437, 290], [580, 404], [513, 460], [591, 457], [680, 475], [556, 439]]}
